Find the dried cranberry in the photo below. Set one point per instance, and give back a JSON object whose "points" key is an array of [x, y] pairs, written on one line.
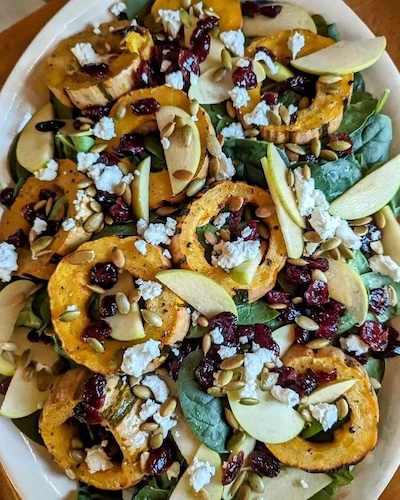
{"points": [[293, 118], [145, 106], [4, 385], [323, 377], [234, 220], [86, 414], [375, 335], [56, 258], [188, 64], [378, 301], [232, 467], [306, 383], [278, 297], [201, 47], [317, 293], [297, 275], [392, 349], [227, 323], [108, 159], [45, 194], [121, 212], [263, 338], [99, 330], [176, 357], [100, 70], [270, 10], [301, 84], [28, 212], [264, 463], [287, 376], [104, 274], [34, 336], [130, 144], [18, 239], [337, 307], [328, 321], [245, 77], [53, 226], [144, 76], [271, 98], [7, 197], [113, 451], [49, 126], [373, 234], [160, 460], [250, 9], [250, 228], [320, 263], [301, 336], [344, 138], [268, 53], [108, 307], [105, 199], [96, 112], [203, 26], [94, 390], [204, 372]]}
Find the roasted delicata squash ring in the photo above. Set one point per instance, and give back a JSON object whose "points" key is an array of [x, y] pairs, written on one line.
{"points": [[160, 186], [63, 242], [355, 438], [188, 252], [72, 85], [68, 286], [58, 429], [325, 112]]}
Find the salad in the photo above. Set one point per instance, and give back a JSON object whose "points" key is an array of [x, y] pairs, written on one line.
{"points": [[198, 287]]}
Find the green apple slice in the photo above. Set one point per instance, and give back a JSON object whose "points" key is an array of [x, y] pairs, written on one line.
{"points": [[214, 488], [370, 194], [284, 337], [140, 190], [186, 441], [269, 421], [180, 156], [391, 235], [7, 368], [282, 73], [35, 149], [247, 446], [343, 57], [328, 393], [291, 17], [346, 286], [276, 173], [201, 292], [12, 301], [244, 273]]}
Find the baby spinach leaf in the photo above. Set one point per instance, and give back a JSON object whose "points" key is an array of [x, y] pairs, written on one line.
{"points": [[256, 312], [87, 492], [122, 230], [218, 115], [376, 280], [346, 322], [203, 412], [246, 156], [359, 263], [196, 332], [325, 29], [373, 139], [18, 173], [395, 203], [375, 368], [151, 493], [359, 83], [362, 106], [339, 478], [83, 144], [27, 317], [30, 426], [62, 111], [137, 9]]}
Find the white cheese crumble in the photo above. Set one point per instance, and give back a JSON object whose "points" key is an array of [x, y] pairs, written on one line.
{"points": [[69, 224], [171, 21], [216, 336], [118, 8], [303, 484], [200, 474], [324, 223], [148, 409], [97, 460], [235, 130], [175, 80], [258, 116], [149, 289], [96, 29], [166, 423], [8, 261], [39, 226], [157, 386], [86, 160], [385, 265], [110, 179], [85, 54], [354, 343], [240, 97], [246, 232], [285, 395], [221, 219], [325, 413], [226, 168], [81, 204], [105, 129], [141, 246], [137, 358], [166, 253], [295, 43], [253, 364], [229, 254], [243, 63], [165, 143], [195, 316], [234, 41], [48, 173], [270, 381], [263, 57], [157, 233], [348, 236], [226, 352]]}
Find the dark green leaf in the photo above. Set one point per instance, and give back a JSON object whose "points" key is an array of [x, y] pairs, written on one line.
{"points": [[325, 29], [153, 146], [246, 156], [150, 493], [376, 280], [256, 312], [359, 263], [62, 112], [289, 98], [122, 230], [30, 427], [395, 204], [346, 322], [196, 332], [18, 173], [65, 147], [359, 83], [373, 139], [137, 9], [339, 478], [375, 368], [28, 318], [362, 106], [218, 115], [91, 493], [203, 412], [203, 229], [83, 144], [312, 430]]}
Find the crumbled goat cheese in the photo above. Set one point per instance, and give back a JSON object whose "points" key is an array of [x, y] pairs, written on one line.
{"points": [[85, 54], [149, 289], [8, 261], [148, 409], [25, 119], [171, 21], [216, 336], [157, 386], [221, 219], [234, 41], [243, 63], [326, 414], [295, 43], [39, 226], [354, 343], [229, 254], [308, 197], [137, 358], [165, 65], [48, 173], [96, 29], [195, 316], [385, 265], [303, 484], [166, 423], [226, 168], [175, 351], [105, 129], [243, 339], [69, 224], [157, 234], [118, 8], [262, 56], [258, 116], [285, 395], [141, 246], [97, 460], [200, 474], [253, 364], [270, 381], [166, 253], [175, 80], [109, 179], [324, 223], [240, 97], [81, 204], [235, 130], [165, 143], [247, 231], [310, 248], [348, 236], [86, 160], [226, 352]]}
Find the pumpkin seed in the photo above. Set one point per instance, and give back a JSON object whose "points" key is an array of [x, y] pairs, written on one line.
{"points": [[317, 343], [318, 275], [295, 148], [68, 316], [219, 74], [306, 323], [297, 262], [168, 130], [210, 238], [120, 189], [142, 392], [182, 175], [249, 401], [224, 377], [195, 187], [28, 373], [123, 304], [187, 135], [334, 253], [380, 220], [116, 360], [304, 103], [262, 230], [215, 166], [134, 296], [340, 146], [274, 118], [230, 109], [41, 243], [32, 236], [99, 148], [328, 155], [202, 321], [236, 203], [306, 414], [346, 252], [91, 191], [8, 356], [361, 222], [93, 222], [235, 385], [330, 244], [278, 306], [168, 407], [95, 289], [165, 211], [108, 220], [152, 318], [185, 18], [77, 455], [361, 230], [206, 343], [316, 147], [213, 145], [232, 363], [306, 172], [226, 59], [251, 133], [70, 473], [312, 237], [238, 482], [118, 257], [265, 211], [44, 379], [256, 483], [236, 441], [39, 205], [293, 157], [342, 408], [85, 127], [85, 119], [284, 114], [375, 383], [217, 392], [377, 247], [290, 178], [84, 183], [77, 444], [194, 107], [149, 427], [392, 295], [95, 206], [179, 121], [96, 345], [203, 495], [225, 234], [332, 88], [49, 205], [127, 196], [328, 79], [231, 419], [8, 346]]}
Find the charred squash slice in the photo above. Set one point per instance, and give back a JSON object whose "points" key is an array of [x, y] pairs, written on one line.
{"points": [[68, 286], [160, 186], [63, 242], [355, 438], [325, 112], [190, 254], [71, 84]]}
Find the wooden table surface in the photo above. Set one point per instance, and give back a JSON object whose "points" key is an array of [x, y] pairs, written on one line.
{"points": [[382, 17]]}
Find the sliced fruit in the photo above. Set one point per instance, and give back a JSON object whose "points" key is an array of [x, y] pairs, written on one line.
{"points": [[269, 421], [291, 17], [247, 446], [343, 57], [201, 292], [346, 286], [391, 235], [140, 190], [245, 273], [292, 233], [34, 148], [184, 147], [7, 368], [328, 393], [281, 74], [216, 46], [358, 201], [284, 337], [186, 441]]}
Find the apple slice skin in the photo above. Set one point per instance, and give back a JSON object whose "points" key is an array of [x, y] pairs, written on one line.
{"points": [[140, 190], [284, 337], [328, 393], [391, 235]]}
